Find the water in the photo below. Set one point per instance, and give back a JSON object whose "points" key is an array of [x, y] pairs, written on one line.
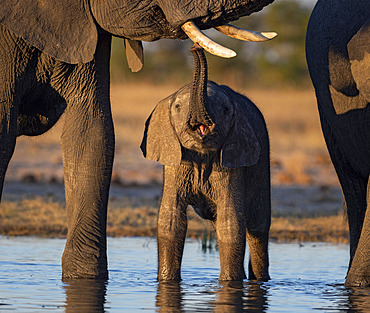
{"points": [[304, 279]]}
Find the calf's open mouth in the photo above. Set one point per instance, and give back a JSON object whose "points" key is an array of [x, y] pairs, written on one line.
{"points": [[203, 130]]}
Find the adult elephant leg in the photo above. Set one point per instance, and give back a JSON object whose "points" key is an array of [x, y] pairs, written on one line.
{"points": [[359, 272], [354, 188], [11, 58], [230, 227], [8, 132], [354, 191], [172, 226], [88, 148]]}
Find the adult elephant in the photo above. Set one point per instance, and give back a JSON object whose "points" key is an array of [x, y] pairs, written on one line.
{"points": [[55, 58], [338, 57]]}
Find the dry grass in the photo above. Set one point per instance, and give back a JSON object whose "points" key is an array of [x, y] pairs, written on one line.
{"points": [[39, 217], [329, 229], [47, 218]]}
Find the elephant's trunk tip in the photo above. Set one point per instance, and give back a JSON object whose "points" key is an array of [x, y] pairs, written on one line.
{"points": [[196, 47]]}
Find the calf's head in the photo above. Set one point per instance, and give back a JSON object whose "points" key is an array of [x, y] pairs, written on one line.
{"points": [[203, 117]]}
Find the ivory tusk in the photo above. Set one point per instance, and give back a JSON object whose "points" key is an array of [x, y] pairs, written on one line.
{"points": [[243, 34], [205, 42]]}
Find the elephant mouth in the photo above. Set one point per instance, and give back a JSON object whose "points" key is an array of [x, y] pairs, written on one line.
{"points": [[200, 131], [201, 138], [205, 135], [203, 130]]}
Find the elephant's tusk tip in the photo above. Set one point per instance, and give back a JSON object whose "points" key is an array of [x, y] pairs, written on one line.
{"points": [[269, 35], [229, 54]]}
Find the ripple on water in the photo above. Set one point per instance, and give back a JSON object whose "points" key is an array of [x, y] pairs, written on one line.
{"points": [[304, 278]]}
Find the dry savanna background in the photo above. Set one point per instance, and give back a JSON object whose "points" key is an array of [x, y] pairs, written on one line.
{"points": [[306, 198]]}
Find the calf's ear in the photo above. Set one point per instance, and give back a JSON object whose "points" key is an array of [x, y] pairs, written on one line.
{"points": [[241, 147], [64, 29], [160, 142]]}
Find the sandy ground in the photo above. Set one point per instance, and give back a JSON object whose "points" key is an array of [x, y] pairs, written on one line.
{"points": [[304, 181]]}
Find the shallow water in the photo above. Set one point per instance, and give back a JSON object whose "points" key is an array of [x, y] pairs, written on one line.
{"points": [[304, 278]]}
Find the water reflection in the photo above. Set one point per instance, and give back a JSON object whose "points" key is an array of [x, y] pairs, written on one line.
{"points": [[169, 297], [85, 295], [304, 278], [359, 300], [229, 297], [237, 297]]}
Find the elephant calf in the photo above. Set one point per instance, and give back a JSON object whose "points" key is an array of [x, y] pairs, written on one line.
{"points": [[214, 145]]}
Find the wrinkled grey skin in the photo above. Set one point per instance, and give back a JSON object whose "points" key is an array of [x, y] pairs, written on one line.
{"points": [[338, 57], [55, 58], [224, 175]]}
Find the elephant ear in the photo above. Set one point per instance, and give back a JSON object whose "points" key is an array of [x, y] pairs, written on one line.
{"points": [[160, 142], [241, 147], [359, 56], [64, 29]]}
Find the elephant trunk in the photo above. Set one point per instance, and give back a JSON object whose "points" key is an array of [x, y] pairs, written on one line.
{"points": [[198, 117]]}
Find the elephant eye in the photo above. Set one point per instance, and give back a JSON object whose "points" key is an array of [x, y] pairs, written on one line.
{"points": [[178, 106]]}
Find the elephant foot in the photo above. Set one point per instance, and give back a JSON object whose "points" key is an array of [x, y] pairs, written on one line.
{"points": [[233, 276], [357, 281], [91, 269], [264, 277], [77, 275]]}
